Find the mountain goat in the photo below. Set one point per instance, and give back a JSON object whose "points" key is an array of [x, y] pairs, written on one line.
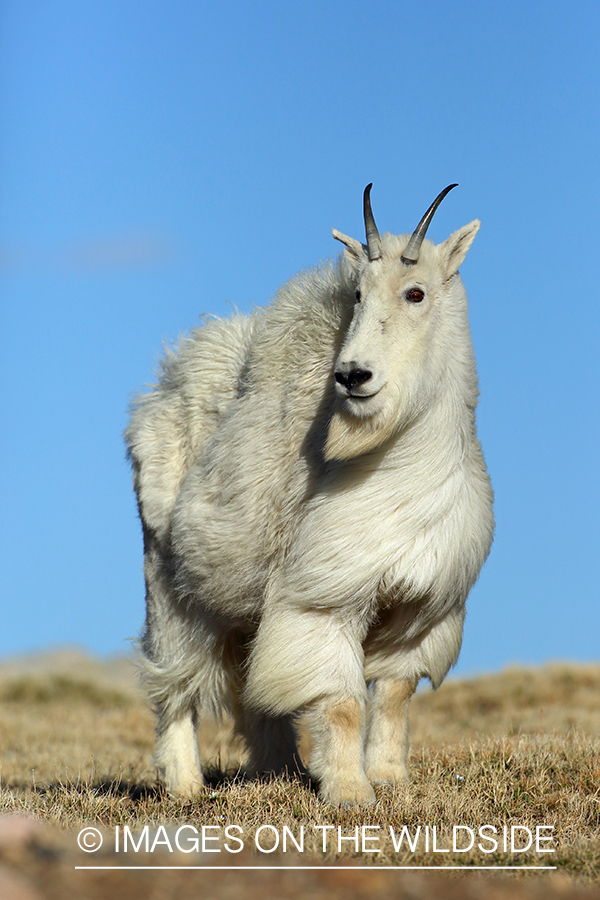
{"points": [[315, 508]]}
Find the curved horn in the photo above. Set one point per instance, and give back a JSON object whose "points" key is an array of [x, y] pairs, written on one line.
{"points": [[373, 239], [411, 254]]}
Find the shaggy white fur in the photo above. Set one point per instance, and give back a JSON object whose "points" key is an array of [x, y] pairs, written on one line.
{"points": [[315, 508]]}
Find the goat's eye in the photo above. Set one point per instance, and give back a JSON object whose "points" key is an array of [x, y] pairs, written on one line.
{"points": [[357, 294], [415, 295]]}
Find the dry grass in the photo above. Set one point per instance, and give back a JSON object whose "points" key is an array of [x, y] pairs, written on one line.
{"points": [[517, 748]]}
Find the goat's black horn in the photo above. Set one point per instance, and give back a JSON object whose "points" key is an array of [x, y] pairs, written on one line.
{"points": [[373, 239], [411, 254]]}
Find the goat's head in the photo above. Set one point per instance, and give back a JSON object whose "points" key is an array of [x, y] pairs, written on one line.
{"points": [[408, 328]]}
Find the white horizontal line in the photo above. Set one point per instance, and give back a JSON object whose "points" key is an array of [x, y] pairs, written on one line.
{"points": [[323, 868]]}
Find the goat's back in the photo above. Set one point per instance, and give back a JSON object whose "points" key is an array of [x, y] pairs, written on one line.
{"points": [[198, 379]]}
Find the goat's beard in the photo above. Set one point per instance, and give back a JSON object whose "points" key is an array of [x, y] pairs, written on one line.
{"points": [[350, 435]]}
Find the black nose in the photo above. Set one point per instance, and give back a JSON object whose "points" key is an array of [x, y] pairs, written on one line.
{"points": [[353, 377]]}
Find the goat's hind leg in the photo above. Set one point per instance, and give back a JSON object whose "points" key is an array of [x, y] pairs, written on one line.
{"points": [[172, 647], [271, 741], [177, 755]]}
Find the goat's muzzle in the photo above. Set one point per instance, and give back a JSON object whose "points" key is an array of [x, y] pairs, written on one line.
{"points": [[350, 376]]}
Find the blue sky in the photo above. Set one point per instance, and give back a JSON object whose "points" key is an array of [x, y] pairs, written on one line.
{"points": [[164, 159]]}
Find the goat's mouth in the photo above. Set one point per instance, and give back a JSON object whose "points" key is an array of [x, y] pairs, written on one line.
{"points": [[361, 405], [352, 396], [357, 392]]}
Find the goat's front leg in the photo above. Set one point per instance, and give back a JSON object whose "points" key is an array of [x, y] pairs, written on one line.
{"points": [[387, 740], [337, 732], [311, 661]]}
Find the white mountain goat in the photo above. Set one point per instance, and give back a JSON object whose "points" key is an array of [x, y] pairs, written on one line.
{"points": [[315, 508]]}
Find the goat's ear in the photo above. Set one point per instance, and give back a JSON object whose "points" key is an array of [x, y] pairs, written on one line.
{"points": [[353, 249], [454, 249]]}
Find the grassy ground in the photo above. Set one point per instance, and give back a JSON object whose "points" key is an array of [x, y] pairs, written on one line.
{"points": [[520, 748]]}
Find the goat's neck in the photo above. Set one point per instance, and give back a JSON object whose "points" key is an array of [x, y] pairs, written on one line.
{"points": [[436, 442]]}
